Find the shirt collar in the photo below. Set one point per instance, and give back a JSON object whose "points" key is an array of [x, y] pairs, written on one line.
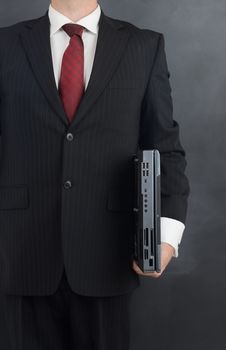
{"points": [[57, 20]]}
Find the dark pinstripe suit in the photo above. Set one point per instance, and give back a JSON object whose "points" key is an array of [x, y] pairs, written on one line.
{"points": [[88, 227]]}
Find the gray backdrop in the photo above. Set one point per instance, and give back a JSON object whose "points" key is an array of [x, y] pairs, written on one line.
{"points": [[186, 307]]}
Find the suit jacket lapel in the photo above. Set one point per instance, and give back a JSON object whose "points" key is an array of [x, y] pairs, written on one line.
{"points": [[110, 47], [36, 43]]}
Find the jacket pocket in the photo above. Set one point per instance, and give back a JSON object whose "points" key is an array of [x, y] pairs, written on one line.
{"points": [[126, 84], [14, 197], [120, 200]]}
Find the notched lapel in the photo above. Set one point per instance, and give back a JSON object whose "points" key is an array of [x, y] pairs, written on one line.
{"points": [[36, 43], [110, 47]]}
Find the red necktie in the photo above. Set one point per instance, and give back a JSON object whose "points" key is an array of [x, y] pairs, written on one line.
{"points": [[71, 85]]}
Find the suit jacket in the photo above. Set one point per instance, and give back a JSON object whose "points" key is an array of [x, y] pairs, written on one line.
{"points": [[68, 201]]}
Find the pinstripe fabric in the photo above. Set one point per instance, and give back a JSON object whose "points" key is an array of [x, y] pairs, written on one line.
{"points": [[66, 320], [88, 227]]}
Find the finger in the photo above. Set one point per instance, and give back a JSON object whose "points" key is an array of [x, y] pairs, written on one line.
{"points": [[137, 269], [140, 272]]}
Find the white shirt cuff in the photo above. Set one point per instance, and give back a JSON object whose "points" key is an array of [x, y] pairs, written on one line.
{"points": [[172, 232]]}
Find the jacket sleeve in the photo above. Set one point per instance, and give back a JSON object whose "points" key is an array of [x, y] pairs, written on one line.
{"points": [[158, 130]]}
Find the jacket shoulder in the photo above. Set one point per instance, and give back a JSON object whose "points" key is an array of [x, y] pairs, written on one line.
{"points": [[9, 35], [136, 30], [13, 29]]}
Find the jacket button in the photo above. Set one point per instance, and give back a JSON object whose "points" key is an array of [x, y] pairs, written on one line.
{"points": [[70, 136], [67, 184]]}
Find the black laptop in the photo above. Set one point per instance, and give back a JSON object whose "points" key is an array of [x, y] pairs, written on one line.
{"points": [[147, 210]]}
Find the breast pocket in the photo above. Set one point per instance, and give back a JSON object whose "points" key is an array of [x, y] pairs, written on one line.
{"points": [[14, 197], [126, 83]]}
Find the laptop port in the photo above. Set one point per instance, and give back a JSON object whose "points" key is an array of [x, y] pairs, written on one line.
{"points": [[152, 242], [146, 238], [150, 262]]}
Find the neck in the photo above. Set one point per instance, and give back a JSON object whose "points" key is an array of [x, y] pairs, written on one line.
{"points": [[74, 9]]}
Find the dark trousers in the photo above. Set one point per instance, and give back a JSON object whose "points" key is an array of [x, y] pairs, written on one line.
{"points": [[67, 321]]}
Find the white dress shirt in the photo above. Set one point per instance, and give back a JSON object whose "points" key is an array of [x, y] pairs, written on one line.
{"points": [[59, 40], [171, 229]]}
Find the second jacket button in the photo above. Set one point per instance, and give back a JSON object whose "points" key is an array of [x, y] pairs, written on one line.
{"points": [[67, 184]]}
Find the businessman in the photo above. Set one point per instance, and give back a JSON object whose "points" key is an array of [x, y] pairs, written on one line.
{"points": [[80, 93]]}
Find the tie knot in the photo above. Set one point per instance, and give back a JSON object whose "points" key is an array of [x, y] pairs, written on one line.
{"points": [[73, 29]]}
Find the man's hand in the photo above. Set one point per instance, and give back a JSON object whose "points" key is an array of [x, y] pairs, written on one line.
{"points": [[167, 252]]}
